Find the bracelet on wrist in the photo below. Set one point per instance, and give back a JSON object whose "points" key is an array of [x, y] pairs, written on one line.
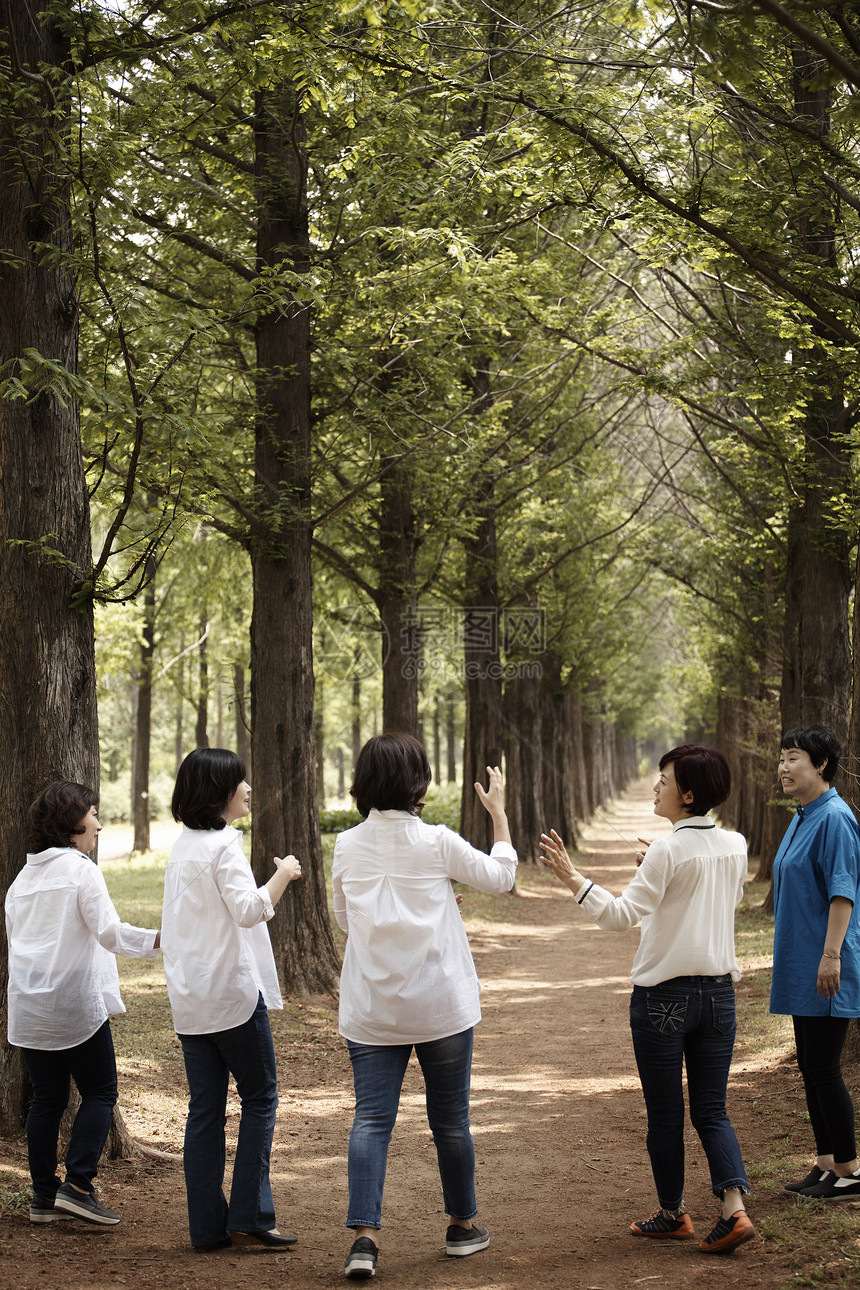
{"points": [[825, 955]]}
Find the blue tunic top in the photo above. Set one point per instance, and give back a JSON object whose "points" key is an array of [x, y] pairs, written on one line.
{"points": [[819, 858]]}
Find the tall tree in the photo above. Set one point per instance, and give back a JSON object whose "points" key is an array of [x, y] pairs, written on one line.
{"points": [[47, 667], [283, 743]]}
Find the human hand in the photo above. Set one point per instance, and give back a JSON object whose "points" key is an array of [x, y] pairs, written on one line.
{"points": [[493, 798], [289, 866], [828, 977], [640, 855], [555, 857]]}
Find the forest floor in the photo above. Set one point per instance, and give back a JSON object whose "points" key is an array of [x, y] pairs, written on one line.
{"points": [[559, 1127]]}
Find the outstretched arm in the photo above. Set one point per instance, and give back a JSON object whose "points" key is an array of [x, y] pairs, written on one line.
{"points": [[555, 857]]}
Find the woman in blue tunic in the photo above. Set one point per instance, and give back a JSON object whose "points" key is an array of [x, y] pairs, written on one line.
{"points": [[816, 950]]}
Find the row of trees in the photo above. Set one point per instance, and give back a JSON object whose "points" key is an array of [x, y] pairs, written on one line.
{"points": [[544, 322]]}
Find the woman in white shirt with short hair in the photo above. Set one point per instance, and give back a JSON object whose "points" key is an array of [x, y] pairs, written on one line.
{"points": [[63, 933], [221, 980], [682, 1011], [408, 979]]}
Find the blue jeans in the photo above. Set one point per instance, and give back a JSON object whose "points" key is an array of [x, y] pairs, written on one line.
{"points": [[689, 1019], [92, 1065], [247, 1053], [377, 1072]]}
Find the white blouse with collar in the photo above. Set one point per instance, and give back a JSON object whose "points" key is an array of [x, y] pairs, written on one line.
{"points": [[63, 933], [685, 892]]}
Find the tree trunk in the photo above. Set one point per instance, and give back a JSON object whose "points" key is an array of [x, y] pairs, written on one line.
{"points": [[243, 743], [525, 750], [47, 668], [143, 717], [851, 778], [451, 739], [396, 600], [286, 816], [437, 739], [579, 779], [356, 706], [816, 682], [319, 741], [483, 738], [558, 756], [201, 725]]}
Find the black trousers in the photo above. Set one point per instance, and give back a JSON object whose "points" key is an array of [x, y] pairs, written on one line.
{"points": [[820, 1041]]}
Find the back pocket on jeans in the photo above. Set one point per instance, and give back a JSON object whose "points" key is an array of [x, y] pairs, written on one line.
{"points": [[723, 1012], [666, 1015]]}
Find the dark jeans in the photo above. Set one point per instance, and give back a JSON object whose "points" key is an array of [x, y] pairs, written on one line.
{"points": [[820, 1041], [247, 1053], [377, 1072], [687, 1020], [92, 1065]]}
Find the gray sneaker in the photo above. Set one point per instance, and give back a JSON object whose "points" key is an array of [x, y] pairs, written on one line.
{"points": [[361, 1260], [83, 1204], [460, 1241], [43, 1210]]}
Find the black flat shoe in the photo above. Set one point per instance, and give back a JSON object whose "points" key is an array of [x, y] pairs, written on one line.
{"points": [[274, 1239], [216, 1245]]}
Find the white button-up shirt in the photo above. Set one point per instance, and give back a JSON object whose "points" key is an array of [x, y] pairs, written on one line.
{"points": [[63, 932], [685, 892], [217, 951], [408, 974]]}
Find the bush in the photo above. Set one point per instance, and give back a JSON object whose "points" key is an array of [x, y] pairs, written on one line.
{"points": [[337, 821]]}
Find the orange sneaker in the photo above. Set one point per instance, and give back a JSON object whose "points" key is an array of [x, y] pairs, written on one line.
{"points": [[728, 1233], [661, 1225]]}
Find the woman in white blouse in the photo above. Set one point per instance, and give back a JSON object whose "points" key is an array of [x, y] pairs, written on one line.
{"points": [[63, 933], [221, 980], [682, 1011], [408, 980]]}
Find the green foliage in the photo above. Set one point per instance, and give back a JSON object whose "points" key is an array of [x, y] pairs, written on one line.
{"points": [[336, 821]]}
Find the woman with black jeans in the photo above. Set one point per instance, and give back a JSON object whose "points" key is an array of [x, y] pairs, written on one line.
{"points": [[816, 950], [683, 1006], [63, 933]]}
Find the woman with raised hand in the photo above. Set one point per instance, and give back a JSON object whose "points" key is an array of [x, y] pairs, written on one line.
{"points": [[682, 1011], [408, 980], [63, 934], [816, 950], [221, 979]]}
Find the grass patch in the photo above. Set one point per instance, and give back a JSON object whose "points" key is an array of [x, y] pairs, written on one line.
{"points": [[15, 1193]]}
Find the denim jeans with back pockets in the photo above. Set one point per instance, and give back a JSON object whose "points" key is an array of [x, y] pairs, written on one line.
{"points": [[687, 1020]]}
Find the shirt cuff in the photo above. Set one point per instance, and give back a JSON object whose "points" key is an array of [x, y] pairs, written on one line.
{"points": [[268, 907], [583, 892], [503, 850]]}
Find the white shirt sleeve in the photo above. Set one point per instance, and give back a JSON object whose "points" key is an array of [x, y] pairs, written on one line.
{"points": [[247, 903], [338, 898], [494, 873], [642, 896], [98, 912]]}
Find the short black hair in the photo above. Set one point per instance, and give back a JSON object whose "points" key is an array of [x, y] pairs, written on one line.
{"points": [[205, 782], [821, 744], [391, 773], [57, 813], [702, 771]]}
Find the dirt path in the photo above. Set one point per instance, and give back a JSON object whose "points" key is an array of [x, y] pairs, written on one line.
{"points": [[559, 1129]]}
